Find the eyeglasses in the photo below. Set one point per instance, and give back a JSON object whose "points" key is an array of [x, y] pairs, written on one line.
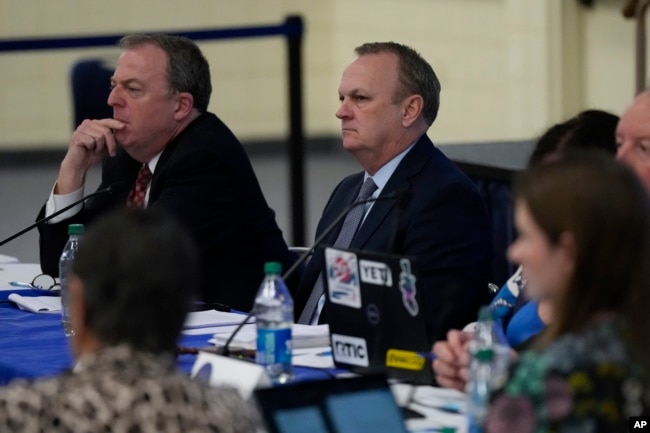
{"points": [[42, 282]]}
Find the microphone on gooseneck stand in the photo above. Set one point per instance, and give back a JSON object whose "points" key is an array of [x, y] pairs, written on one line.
{"points": [[111, 189], [225, 349]]}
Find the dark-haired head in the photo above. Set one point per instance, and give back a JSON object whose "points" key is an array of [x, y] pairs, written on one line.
{"points": [[588, 130], [187, 68], [138, 272]]}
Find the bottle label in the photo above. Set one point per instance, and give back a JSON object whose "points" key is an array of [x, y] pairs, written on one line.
{"points": [[273, 346]]}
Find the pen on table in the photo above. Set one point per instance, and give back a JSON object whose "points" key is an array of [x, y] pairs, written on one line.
{"points": [[427, 355]]}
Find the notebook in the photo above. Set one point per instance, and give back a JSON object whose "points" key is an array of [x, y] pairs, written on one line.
{"points": [[352, 405], [375, 313]]}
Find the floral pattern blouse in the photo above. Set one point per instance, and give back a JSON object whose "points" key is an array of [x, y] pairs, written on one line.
{"points": [[585, 382]]}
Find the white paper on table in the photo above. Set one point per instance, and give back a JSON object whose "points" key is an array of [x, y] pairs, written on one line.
{"points": [[37, 304], [246, 338], [8, 259], [315, 357], [445, 399], [24, 272], [210, 330], [212, 318], [442, 407], [303, 336]]}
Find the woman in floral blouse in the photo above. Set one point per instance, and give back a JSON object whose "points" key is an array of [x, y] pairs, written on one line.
{"points": [[584, 238]]}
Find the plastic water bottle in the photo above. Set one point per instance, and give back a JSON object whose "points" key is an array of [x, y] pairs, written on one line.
{"points": [[75, 231], [273, 319], [489, 358]]}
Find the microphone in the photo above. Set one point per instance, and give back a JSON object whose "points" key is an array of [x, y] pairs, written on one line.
{"points": [[403, 201], [397, 195], [111, 189]]}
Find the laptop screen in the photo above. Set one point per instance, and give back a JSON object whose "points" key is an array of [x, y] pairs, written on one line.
{"points": [[351, 405]]}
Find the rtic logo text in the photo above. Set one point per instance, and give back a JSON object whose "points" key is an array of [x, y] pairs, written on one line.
{"points": [[350, 350]]}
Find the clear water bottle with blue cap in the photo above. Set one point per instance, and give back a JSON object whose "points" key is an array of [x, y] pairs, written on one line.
{"points": [[75, 232], [273, 318]]}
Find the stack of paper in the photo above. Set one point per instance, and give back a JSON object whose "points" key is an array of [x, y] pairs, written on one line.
{"points": [[37, 304], [303, 336], [211, 318]]}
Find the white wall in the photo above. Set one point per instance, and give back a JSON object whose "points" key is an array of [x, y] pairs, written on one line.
{"points": [[508, 67]]}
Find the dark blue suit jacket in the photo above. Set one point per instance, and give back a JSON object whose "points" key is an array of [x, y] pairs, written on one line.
{"points": [[204, 179], [444, 228]]}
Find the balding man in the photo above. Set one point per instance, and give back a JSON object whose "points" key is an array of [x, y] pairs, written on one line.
{"points": [[389, 98], [633, 137]]}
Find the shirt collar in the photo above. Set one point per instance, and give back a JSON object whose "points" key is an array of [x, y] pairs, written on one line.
{"points": [[154, 162], [386, 171]]}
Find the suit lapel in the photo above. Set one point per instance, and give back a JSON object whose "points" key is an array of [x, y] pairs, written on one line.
{"points": [[345, 198], [168, 154]]}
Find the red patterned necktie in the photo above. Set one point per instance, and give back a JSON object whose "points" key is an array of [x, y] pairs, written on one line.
{"points": [[139, 190]]}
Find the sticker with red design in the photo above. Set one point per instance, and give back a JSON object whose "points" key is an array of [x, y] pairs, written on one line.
{"points": [[343, 277]]}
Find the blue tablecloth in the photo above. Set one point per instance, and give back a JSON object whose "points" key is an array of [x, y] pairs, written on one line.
{"points": [[34, 345]]}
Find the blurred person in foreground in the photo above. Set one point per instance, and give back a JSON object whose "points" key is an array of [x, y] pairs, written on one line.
{"points": [[168, 151], [584, 242], [389, 97], [522, 318], [131, 287]]}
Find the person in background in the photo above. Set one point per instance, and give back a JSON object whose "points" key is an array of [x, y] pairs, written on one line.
{"points": [[633, 137], [521, 318], [170, 152], [584, 242], [389, 97], [131, 285], [588, 130]]}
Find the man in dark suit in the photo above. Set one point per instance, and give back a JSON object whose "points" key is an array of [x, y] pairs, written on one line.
{"points": [[163, 146], [389, 97]]}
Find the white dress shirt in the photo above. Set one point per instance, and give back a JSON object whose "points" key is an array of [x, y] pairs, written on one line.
{"points": [[59, 201]]}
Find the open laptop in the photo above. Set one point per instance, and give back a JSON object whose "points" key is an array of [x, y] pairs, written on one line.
{"points": [[350, 405], [375, 315]]}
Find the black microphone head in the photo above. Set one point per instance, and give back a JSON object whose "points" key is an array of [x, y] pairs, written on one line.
{"points": [[117, 187], [404, 197]]}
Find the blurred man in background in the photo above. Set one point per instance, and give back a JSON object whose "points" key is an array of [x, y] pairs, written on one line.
{"points": [[633, 137]]}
